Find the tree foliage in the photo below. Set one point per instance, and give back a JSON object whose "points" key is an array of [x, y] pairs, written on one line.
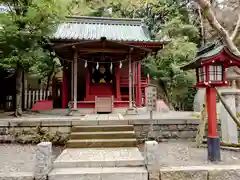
{"points": [[25, 29], [176, 84], [24, 32]]}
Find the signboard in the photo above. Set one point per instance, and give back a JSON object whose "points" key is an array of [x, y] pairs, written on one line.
{"points": [[151, 97]]}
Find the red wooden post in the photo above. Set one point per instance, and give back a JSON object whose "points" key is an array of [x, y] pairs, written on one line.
{"points": [[213, 138], [134, 90], [87, 83], [64, 90], [118, 94], [139, 91]]}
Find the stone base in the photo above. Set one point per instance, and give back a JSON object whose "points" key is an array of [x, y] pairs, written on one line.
{"points": [[214, 149], [131, 111]]}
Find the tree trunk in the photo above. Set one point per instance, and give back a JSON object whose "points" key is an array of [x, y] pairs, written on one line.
{"points": [[19, 75], [202, 30], [47, 87], [49, 78], [209, 14]]}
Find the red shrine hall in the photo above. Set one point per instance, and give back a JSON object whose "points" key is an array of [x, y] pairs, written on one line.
{"points": [[101, 58]]}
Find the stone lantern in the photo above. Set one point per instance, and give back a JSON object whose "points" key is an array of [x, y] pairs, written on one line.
{"points": [[211, 65]]}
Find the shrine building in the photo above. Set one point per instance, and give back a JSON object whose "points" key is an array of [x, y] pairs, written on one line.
{"points": [[98, 56]]}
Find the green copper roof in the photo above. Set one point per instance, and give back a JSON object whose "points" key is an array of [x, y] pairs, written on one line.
{"points": [[211, 53], [94, 28], [206, 53]]}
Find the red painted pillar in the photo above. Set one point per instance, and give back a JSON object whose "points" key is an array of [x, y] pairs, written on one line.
{"points": [[213, 138], [87, 83], [118, 93], [139, 91], [134, 71], [64, 90]]}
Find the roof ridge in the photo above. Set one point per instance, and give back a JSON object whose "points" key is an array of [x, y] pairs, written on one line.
{"points": [[104, 20]]}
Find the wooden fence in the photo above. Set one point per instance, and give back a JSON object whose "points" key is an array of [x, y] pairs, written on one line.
{"points": [[31, 96]]}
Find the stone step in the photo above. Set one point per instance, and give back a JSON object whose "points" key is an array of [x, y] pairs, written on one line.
{"points": [[102, 135], [99, 157], [116, 173], [101, 143], [102, 128]]}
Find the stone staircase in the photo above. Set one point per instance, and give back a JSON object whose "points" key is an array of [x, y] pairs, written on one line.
{"points": [[102, 136], [106, 152]]}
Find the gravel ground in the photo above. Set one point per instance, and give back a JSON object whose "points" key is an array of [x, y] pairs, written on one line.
{"points": [[182, 153], [19, 158]]}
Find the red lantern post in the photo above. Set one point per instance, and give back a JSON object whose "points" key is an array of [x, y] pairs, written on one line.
{"points": [[210, 65]]}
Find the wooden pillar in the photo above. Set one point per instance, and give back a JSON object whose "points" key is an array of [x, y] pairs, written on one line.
{"points": [[87, 83], [118, 93], [64, 89], [213, 138], [72, 81], [130, 80], [75, 81], [138, 89], [133, 82]]}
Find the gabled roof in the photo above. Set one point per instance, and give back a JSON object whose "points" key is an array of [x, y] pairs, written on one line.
{"points": [[209, 52], [94, 28]]}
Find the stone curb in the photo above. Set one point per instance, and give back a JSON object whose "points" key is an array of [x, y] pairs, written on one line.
{"points": [[213, 172], [17, 176]]}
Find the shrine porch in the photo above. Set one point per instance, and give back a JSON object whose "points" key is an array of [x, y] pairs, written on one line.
{"points": [[91, 104]]}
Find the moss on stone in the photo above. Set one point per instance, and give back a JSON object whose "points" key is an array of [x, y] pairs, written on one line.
{"points": [[38, 134]]}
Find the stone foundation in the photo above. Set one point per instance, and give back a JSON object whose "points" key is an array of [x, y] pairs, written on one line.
{"points": [[161, 131], [162, 128]]}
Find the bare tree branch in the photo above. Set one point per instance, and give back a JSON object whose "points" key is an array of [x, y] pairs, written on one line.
{"points": [[237, 29], [201, 26], [206, 6]]}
